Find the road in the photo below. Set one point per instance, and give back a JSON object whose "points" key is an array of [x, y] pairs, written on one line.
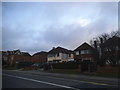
{"points": [[13, 79]]}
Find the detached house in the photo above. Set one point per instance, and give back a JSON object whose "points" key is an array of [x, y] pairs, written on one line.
{"points": [[88, 56], [5, 60], [26, 57], [59, 54], [39, 57], [85, 53], [9, 57], [12, 57], [111, 51]]}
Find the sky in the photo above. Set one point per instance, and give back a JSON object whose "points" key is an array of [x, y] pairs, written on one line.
{"points": [[38, 26]]}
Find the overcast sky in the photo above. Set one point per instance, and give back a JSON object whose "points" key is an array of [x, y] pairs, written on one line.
{"points": [[39, 26]]}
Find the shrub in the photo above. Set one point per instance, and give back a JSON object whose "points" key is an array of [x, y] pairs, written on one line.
{"points": [[66, 65], [23, 64]]}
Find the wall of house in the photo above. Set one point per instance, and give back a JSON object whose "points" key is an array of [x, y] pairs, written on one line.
{"points": [[62, 57], [18, 58], [27, 58], [39, 58], [71, 56], [84, 55], [35, 58], [55, 57]]}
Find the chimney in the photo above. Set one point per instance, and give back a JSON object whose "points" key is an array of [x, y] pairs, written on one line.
{"points": [[53, 48], [101, 40], [95, 44]]}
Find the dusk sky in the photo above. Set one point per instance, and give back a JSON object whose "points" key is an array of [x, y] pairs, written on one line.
{"points": [[34, 27]]}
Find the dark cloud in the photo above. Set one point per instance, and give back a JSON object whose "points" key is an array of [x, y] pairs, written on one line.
{"points": [[55, 24]]}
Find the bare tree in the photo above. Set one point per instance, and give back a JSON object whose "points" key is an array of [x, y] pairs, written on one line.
{"points": [[115, 33], [98, 41]]}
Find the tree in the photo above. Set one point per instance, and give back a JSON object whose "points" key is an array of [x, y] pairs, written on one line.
{"points": [[98, 42]]}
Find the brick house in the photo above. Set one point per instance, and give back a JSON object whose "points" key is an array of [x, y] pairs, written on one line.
{"points": [[8, 57], [85, 52], [26, 57], [5, 60], [59, 54], [12, 57], [39, 57], [111, 51], [87, 56]]}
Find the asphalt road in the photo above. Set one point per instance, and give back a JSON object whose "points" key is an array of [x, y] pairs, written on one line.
{"points": [[13, 79]]}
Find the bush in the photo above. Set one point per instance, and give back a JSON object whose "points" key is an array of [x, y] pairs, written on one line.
{"points": [[66, 65], [23, 64]]}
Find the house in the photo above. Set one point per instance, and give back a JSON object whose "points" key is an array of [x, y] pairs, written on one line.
{"points": [[12, 57], [4, 58], [111, 51], [39, 57], [85, 52], [26, 57], [8, 57], [60, 54], [87, 56]]}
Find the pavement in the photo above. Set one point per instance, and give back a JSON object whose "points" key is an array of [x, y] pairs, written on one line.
{"points": [[81, 78], [25, 80]]}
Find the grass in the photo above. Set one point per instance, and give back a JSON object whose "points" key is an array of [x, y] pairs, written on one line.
{"points": [[101, 72], [9, 68], [28, 68], [65, 71], [15, 68], [110, 72]]}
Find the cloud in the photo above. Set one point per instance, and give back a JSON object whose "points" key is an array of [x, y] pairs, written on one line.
{"points": [[38, 27], [82, 22]]}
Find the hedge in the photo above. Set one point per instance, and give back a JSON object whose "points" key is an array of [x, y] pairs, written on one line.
{"points": [[23, 64], [66, 65]]}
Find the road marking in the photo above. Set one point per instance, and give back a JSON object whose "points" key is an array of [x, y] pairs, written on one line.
{"points": [[63, 86], [90, 82], [97, 83], [83, 81]]}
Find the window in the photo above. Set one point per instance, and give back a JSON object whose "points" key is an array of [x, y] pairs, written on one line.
{"points": [[89, 59], [85, 52], [69, 55], [51, 55], [57, 54], [77, 52], [117, 48]]}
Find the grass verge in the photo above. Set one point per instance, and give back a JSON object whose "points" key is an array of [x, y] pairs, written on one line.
{"points": [[77, 72]]}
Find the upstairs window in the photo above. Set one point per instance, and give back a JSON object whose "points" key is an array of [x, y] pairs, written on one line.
{"points": [[57, 54], [69, 55], [85, 52], [51, 55], [77, 52]]}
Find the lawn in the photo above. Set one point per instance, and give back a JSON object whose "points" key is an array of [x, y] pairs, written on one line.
{"points": [[9, 68], [111, 72]]}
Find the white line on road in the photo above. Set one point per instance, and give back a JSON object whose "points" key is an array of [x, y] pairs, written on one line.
{"points": [[42, 82]]}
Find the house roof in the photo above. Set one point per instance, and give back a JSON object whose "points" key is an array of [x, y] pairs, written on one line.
{"points": [[59, 50], [16, 51], [10, 52], [84, 46], [40, 53], [26, 54], [3, 52], [114, 41]]}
